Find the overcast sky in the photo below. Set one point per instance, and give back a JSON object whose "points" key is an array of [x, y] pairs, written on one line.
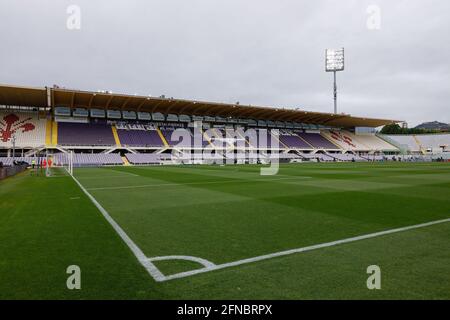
{"points": [[258, 52]]}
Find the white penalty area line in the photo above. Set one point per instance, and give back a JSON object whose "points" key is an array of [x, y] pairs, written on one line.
{"points": [[120, 172], [196, 183], [106, 177], [208, 266]]}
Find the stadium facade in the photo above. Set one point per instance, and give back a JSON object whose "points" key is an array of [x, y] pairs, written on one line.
{"points": [[104, 128]]}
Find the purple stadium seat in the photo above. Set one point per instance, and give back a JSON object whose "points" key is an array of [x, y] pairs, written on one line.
{"points": [[89, 159], [85, 134], [140, 138], [147, 158], [317, 141], [294, 142]]}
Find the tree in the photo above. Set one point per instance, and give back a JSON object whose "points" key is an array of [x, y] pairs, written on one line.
{"points": [[391, 129], [396, 129]]}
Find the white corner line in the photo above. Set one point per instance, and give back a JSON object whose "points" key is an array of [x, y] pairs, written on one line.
{"points": [[299, 250], [204, 262]]}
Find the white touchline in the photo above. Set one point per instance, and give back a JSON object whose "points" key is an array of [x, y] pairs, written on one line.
{"points": [[150, 267], [208, 266]]}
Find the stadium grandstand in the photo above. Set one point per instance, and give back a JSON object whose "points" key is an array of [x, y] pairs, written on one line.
{"points": [[103, 128], [422, 143]]}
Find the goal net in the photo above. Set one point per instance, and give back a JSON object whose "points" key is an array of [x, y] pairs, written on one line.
{"points": [[59, 165]]}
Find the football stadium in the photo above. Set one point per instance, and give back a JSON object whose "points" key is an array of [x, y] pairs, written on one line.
{"points": [[162, 198], [224, 159]]}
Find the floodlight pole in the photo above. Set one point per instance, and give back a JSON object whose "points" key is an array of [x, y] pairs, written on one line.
{"points": [[334, 61], [335, 93]]}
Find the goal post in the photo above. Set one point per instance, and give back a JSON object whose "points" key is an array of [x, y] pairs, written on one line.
{"points": [[48, 164], [59, 164], [68, 163]]}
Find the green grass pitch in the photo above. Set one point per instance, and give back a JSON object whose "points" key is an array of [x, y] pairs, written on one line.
{"points": [[225, 214]]}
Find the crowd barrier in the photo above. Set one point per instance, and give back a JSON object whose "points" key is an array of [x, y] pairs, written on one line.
{"points": [[6, 172]]}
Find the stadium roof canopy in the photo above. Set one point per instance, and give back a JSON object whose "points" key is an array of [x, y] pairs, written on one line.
{"points": [[23, 96], [49, 97]]}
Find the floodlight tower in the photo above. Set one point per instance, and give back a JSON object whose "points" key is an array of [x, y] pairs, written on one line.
{"points": [[334, 62]]}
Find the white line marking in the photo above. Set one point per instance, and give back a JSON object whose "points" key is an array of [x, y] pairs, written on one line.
{"points": [[204, 262], [150, 267], [195, 183], [298, 250], [123, 172], [210, 266], [103, 177], [120, 172]]}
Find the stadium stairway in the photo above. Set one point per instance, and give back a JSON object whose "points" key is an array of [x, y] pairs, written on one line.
{"points": [[206, 137], [247, 141], [280, 143], [48, 133], [125, 161], [163, 139], [305, 141], [330, 140], [54, 130], [116, 136], [421, 148], [403, 148]]}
